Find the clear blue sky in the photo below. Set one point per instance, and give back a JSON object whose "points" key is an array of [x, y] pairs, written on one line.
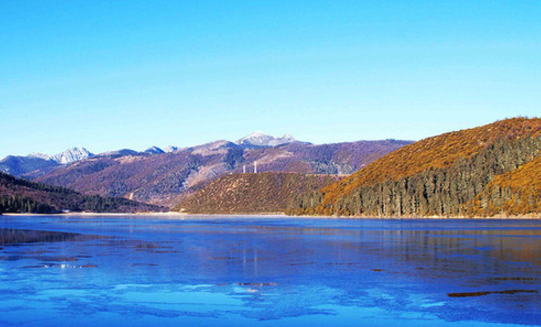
{"points": [[130, 74]]}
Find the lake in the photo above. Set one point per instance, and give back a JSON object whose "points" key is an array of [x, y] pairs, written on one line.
{"points": [[268, 271]]}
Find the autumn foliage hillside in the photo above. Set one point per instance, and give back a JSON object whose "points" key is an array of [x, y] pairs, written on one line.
{"points": [[435, 176], [515, 193]]}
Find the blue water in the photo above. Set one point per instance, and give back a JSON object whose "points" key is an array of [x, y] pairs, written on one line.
{"points": [[143, 271]]}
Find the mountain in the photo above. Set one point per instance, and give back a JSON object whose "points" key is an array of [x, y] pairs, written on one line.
{"points": [[18, 165], [252, 193], [119, 153], [158, 178], [17, 195], [453, 174], [167, 178], [259, 139], [336, 158], [39, 163], [40, 156], [171, 148], [154, 150], [72, 155]]}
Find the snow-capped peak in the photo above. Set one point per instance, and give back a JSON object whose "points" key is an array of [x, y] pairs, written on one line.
{"points": [[171, 148], [262, 139], [257, 134], [154, 150], [40, 156], [72, 155]]}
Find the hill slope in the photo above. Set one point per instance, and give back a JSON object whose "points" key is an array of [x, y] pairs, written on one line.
{"points": [[252, 193], [20, 196], [436, 176]]}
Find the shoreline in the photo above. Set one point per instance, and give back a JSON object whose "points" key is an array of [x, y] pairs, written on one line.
{"points": [[157, 215], [182, 215]]}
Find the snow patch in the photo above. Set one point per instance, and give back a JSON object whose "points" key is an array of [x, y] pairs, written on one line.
{"points": [[262, 139]]}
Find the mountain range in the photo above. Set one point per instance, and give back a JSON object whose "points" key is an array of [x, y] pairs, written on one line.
{"points": [[487, 171], [167, 177]]}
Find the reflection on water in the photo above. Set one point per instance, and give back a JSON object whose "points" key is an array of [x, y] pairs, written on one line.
{"points": [[487, 293], [275, 272], [10, 236]]}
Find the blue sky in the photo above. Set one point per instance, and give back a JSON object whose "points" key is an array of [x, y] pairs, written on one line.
{"points": [[130, 74]]}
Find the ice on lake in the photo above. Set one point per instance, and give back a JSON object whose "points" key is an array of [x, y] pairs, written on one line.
{"points": [[144, 271]]}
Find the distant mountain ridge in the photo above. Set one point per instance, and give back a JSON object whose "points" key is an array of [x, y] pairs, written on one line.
{"points": [[171, 148], [19, 165], [40, 162], [37, 162], [65, 157], [260, 139], [167, 177], [72, 155], [154, 150]]}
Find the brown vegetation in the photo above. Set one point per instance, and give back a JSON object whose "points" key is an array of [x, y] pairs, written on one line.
{"points": [[252, 193], [515, 193]]}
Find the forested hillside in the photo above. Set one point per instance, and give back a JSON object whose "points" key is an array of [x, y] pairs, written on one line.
{"points": [[20, 196], [516, 193], [446, 175], [253, 193]]}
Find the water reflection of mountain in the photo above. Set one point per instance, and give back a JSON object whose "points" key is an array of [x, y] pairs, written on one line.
{"points": [[10, 236], [383, 268], [394, 269], [281, 251]]}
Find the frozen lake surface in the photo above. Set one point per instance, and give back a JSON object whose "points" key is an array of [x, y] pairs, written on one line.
{"points": [[137, 271]]}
